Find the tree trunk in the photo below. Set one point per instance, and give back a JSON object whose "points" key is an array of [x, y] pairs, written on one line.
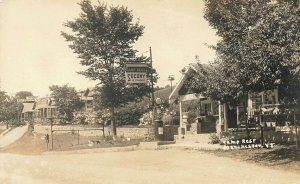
{"points": [[112, 109], [112, 121], [297, 139], [296, 130]]}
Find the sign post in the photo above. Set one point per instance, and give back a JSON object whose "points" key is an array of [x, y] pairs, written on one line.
{"points": [[137, 73]]}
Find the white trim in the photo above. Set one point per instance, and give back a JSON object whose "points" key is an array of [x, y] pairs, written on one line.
{"points": [[189, 97], [175, 93]]}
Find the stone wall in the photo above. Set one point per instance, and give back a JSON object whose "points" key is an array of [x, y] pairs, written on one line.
{"points": [[90, 131], [128, 132], [133, 132]]}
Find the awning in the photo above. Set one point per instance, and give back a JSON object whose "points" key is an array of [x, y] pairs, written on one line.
{"points": [[28, 107]]}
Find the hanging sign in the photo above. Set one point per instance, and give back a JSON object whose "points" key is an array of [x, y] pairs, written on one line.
{"points": [[136, 73]]}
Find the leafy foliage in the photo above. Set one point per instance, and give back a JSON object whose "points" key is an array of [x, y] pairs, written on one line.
{"points": [[66, 100], [259, 49], [103, 37], [129, 115], [10, 108]]}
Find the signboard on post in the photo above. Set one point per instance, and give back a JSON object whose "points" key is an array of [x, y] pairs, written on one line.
{"points": [[136, 73]]}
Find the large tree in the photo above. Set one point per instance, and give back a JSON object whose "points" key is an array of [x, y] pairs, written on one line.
{"points": [[103, 37], [258, 50], [259, 46], [67, 101]]}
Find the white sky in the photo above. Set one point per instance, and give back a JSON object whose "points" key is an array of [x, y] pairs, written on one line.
{"points": [[33, 54]]}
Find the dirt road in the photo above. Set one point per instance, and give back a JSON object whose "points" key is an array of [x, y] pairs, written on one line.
{"points": [[162, 166]]}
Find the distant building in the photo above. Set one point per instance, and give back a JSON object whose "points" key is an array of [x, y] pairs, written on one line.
{"points": [[28, 111], [40, 109], [45, 108], [87, 96], [35, 109]]}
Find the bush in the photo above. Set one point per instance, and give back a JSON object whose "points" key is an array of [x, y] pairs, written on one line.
{"points": [[214, 139]]}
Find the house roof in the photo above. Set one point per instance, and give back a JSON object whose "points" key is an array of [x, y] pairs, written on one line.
{"points": [[90, 91], [46, 102], [42, 103], [196, 67], [87, 95], [28, 107], [52, 102]]}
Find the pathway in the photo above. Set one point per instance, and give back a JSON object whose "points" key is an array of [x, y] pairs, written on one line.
{"points": [[12, 136]]}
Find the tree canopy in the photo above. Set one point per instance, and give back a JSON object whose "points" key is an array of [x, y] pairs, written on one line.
{"points": [[258, 50], [67, 101], [23, 94], [102, 37], [10, 108]]}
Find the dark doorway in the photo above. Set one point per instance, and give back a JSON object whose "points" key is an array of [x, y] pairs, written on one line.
{"points": [[232, 121]]}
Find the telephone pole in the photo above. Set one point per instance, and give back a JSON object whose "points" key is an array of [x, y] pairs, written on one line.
{"points": [[152, 85], [152, 88], [171, 78], [154, 125]]}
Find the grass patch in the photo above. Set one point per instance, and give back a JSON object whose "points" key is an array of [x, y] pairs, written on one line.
{"points": [[69, 141], [1, 130], [33, 143], [29, 144], [281, 157]]}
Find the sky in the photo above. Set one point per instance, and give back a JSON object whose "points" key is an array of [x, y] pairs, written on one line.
{"points": [[34, 55]]}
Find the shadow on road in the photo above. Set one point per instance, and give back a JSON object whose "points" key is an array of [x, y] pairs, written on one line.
{"points": [[278, 156]]}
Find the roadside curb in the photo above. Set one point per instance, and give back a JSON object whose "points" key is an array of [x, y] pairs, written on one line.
{"points": [[204, 147], [93, 150], [141, 147]]}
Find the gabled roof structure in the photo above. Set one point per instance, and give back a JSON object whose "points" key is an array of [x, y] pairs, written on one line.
{"points": [[186, 71], [42, 103], [88, 94]]}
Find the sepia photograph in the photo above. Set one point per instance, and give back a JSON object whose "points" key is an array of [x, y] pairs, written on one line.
{"points": [[149, 91]]}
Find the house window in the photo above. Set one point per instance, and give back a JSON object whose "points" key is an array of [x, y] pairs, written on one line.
{"points": [[207, 108]]}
